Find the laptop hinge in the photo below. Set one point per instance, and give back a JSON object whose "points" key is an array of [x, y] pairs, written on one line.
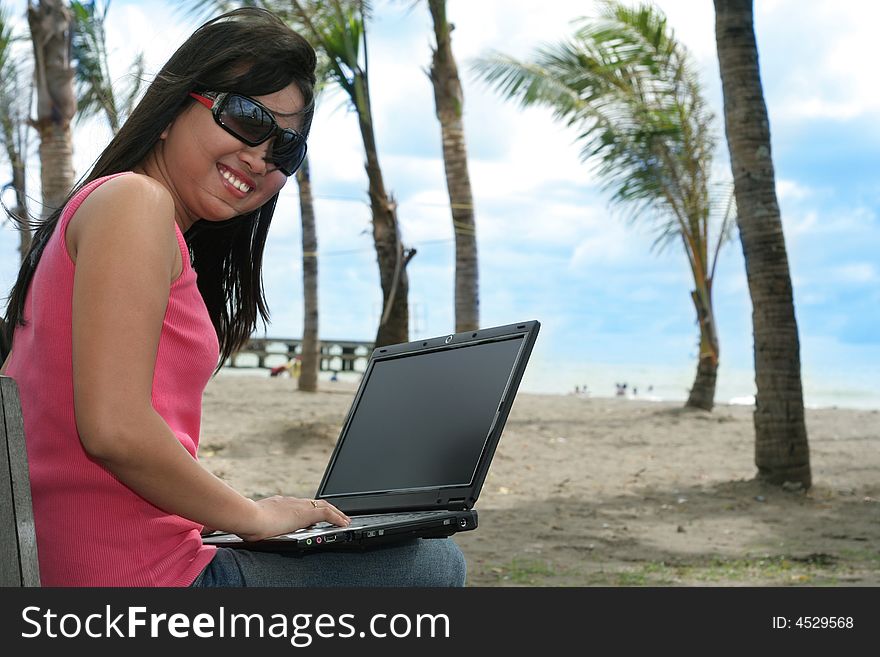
{"points": [[458, 504]]}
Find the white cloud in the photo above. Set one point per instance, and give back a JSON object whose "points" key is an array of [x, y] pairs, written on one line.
{"points": [[608, 244], [798, 224], [823, 108], [830, 221], [824, 66], [856, 272], [791, 190]]}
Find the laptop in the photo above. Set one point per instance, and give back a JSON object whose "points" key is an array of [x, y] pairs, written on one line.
{"points": [[417, 442]]}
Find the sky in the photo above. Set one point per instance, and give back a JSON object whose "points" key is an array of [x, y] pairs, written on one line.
{"points": [[550, 246]]}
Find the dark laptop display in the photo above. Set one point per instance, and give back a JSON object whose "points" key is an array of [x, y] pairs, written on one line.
{"points": [[424, 420], [418, 440]]}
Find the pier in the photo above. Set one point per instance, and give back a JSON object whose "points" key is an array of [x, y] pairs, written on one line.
{"points": [[336, 355]]}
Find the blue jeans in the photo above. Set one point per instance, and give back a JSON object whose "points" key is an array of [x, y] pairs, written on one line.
{"points": [[420, 562]]}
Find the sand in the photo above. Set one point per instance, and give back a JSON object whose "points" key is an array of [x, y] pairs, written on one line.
{"points": [[590, 491]]}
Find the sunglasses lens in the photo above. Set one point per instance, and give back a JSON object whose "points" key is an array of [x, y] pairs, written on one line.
{"points": [[288, 152], [250, 121]]}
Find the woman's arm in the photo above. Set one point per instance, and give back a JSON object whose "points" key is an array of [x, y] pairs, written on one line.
{"points": [[123, 242]]}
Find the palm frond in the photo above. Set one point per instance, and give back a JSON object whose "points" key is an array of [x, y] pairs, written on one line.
{"points": [[6, 36], [631, 91], [95, 86], [202, 10], [16, 92], [336, 29], [90, 53], [135, 77]]}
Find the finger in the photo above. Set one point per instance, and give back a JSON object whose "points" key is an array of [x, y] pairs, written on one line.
{"points": [[331, 514], [337, 517], [322, 504]]}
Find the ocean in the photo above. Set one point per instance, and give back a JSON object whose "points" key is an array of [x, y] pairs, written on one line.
{"points": [[666, 383], [650, 383]]}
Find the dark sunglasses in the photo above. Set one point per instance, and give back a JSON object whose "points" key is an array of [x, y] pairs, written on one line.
{"points": [[253, 123]]}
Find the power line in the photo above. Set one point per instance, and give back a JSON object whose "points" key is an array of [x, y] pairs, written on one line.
{"points": [[355, 199], [364, 250]]}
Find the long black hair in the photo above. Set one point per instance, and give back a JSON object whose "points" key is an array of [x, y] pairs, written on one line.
{"points": [[248, 51]]}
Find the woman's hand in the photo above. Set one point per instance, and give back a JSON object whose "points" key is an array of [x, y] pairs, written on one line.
{"points": [[281, 515]]}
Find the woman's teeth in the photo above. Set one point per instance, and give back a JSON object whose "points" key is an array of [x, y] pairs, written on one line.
{"points": [[235, 182]]}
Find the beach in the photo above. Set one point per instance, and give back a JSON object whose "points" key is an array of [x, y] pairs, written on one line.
{"points": [[600, 491]]}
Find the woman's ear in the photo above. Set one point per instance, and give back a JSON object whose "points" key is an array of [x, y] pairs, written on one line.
{"points": [[164, 134]]}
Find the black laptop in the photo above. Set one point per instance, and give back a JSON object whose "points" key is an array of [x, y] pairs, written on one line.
{"points": [[417, 442]]}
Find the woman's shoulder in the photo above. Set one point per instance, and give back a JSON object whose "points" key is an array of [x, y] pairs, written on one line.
{"points": [[134, 191], [132, 206]]}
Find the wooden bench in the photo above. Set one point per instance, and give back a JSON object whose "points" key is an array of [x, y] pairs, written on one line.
{"points": [[18, 541]]}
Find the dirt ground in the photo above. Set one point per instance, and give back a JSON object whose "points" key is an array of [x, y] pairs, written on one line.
{"points": [[601, 492]]}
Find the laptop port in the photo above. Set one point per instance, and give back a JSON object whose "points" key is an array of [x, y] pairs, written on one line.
{"points": [[330, 539]]}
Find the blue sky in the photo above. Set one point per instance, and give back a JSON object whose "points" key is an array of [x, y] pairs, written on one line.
{"points": [[550, 247]]}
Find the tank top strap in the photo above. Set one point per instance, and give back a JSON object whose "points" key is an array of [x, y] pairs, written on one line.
{"points": [[184, 251]]}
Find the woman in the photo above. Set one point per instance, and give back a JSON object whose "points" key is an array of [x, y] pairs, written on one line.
{"points": [[155, 261]]}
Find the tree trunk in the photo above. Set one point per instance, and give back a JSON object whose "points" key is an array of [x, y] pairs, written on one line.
{"points": [[20, 210], [392, 258], [702, 393], [449, 101], [50, 23], [781, 450], [308, 376]]}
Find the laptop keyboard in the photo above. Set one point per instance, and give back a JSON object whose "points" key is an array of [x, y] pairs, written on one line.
{"points": [[325, 528], [364, 521]]}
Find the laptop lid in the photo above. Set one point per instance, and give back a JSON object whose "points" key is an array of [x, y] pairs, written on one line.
{"points": [[426, 420]]}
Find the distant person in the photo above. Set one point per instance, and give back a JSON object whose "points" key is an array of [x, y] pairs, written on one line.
{"points": [[186, 190], [292, 367]]}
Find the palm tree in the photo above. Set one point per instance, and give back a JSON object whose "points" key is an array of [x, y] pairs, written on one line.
{"points": [[781, 450], [338, 29], [15, 100], [308, 377], [96, 89], [449, 101], [311, 344], [631, 90], [51, 33]]}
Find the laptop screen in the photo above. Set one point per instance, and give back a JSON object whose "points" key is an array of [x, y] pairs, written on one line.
{"points": [[423, 419]]}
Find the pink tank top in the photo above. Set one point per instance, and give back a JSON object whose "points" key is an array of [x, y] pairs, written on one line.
{"points": [[91, 529]]}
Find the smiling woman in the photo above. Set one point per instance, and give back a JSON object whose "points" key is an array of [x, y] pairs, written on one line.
{"points": [[155, 261], [217, 175]]}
